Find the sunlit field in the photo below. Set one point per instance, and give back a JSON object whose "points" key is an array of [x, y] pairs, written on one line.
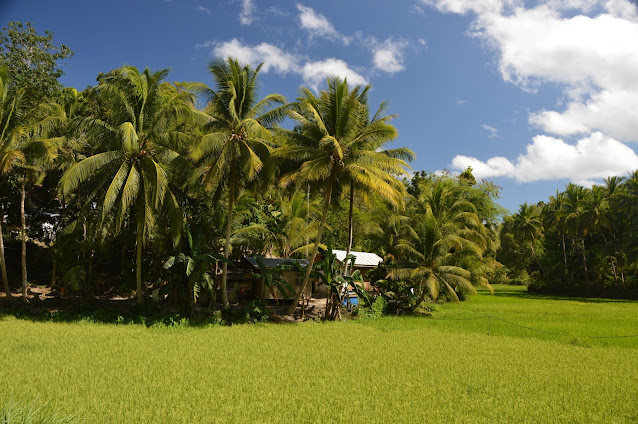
{"points": [[393, 369]]}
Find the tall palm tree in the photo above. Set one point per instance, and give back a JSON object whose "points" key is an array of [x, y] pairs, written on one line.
{"points": [[528, 227], [571, 212], [131, 177], [371, 169], [11, 118], [551, 216], [329, 125], [236, 139], [26, 151]]}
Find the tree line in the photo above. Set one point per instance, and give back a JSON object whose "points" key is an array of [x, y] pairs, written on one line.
{"points": [[105, 185], [581, 241], [137, 183]]}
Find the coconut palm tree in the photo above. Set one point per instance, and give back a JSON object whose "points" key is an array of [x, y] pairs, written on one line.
{"points": [[528, 227], [551, 217], [131, 176], [373, 170], [331, 144], [571, 212], [236, 139], [26, 151], [11, 118], [445, 231]]}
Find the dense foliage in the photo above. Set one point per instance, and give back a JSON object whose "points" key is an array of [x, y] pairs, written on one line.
{"points": [[582, 241], [137, 183]]}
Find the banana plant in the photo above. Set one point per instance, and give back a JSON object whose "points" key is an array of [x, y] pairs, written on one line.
{"points": [[197, 266], [271, 279], [338, 285]]}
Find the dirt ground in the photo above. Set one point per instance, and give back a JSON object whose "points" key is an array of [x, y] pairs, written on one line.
{"points": [[46, 299]]}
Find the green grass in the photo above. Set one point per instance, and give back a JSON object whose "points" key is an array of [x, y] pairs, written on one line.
{"points": [[387, 370]]}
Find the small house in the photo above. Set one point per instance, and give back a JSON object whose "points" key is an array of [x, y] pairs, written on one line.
{"points": [[364, 262], [243, 285]]}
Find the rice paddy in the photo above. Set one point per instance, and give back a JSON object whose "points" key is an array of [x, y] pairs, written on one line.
{"points": [[393, 369]]}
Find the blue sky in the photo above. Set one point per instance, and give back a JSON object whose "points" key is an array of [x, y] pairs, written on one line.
{"points": [[532, 94]]}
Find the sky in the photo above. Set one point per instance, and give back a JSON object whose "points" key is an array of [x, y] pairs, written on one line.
{"points": [[531, 94]]}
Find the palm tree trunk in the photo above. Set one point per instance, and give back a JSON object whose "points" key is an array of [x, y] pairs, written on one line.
{"points": [[315, 250], [564, 250], [54, 269], [138, 264], [424, 292], [582, 244], [23, 236], [536, 258], [3, 265], [350, 231], [231, 205]]}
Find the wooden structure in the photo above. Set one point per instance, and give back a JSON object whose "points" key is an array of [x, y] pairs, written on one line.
{"points": [[242, 285]]}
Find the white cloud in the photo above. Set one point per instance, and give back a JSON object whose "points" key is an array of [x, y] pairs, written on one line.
{"points": [[315, 73], [204, 9], [247, 14], [272, 56], [318, 25], [388, 56], [588, 47], [417, 9], [547, 158], [475, 6], [491, 131], [461, 101]]}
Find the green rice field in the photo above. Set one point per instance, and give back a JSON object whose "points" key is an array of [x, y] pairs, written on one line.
{"points": [[391, 369]]}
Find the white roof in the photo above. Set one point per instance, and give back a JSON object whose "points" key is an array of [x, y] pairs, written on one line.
{"points": [[362, 258]]}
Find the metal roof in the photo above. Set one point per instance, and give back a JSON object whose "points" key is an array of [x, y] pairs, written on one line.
{"points": [[274, 262], [364, 259]]}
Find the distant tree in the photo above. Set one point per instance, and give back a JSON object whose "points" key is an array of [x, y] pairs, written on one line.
{"points": [[444, 233], [528, 227], [32, 60]]}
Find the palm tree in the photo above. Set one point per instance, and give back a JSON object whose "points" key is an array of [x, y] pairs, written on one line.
{"points": [[551, 216], [26, 150], [527, 226], [236, 139], [289, 226], [445, 232], [329, 127], [11, 116], [371, 169], [131, 177], [571, 212]]}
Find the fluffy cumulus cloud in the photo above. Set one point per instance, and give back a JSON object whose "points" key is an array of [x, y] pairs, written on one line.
{"points": [[586, 46], [388, 56], [313, 73], [272, 56], [247, 14], [594, 157], [317, 25]]}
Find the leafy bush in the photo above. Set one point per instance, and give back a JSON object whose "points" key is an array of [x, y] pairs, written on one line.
{"points": [[377, 309], [253, 312]]}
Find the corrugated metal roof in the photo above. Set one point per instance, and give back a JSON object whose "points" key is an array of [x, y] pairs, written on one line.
{"points": [[273, 262], [362, 258]]}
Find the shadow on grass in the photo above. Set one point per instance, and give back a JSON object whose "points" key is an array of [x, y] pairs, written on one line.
{"points": [[105, 311], [520, 292]]}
